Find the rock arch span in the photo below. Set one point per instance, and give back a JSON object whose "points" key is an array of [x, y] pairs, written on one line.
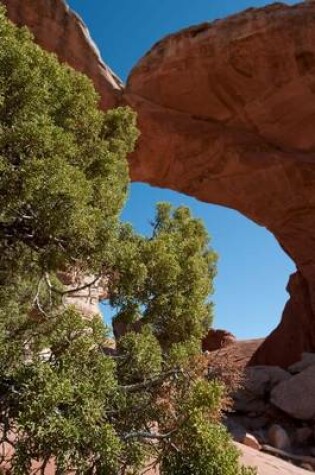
{"points": [[227, 115]]}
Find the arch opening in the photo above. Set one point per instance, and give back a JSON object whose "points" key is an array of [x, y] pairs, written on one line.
{"points": [[253, 270]]}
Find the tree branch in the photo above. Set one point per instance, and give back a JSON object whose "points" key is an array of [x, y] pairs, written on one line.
{"points": [[150, 382], [70, 291], [148, 435], [36, 301]]}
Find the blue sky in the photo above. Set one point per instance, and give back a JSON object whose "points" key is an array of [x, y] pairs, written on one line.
{"points": [[252, 270]]}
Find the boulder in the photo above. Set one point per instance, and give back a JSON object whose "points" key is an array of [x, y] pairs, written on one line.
{"points": [[248, 403], [251, 441], [235, 428], [308, 359], [257, 385], [240, 423], [217, 339], [278, 437], [296, 396], [259, 380]]}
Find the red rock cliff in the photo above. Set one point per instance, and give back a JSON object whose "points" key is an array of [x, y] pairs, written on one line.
{"points": [[227, 114], [58, 29]]}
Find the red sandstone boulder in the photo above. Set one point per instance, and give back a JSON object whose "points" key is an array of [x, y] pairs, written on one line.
{"points": [[296, 396], [216, 339]]}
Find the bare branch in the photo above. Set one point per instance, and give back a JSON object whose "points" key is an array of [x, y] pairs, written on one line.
{"points": [[70, 291], [36, 301], [148, 435]]}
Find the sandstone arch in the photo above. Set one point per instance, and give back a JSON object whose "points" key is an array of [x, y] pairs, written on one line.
{"points": [[227, 114]]}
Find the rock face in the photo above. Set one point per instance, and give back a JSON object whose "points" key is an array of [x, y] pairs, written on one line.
{"points": [[56, 28], [84, 292], [239, 353], [227, 115], [295, 333], [266, 464]]}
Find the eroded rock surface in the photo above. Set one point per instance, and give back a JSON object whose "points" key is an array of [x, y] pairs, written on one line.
{"points": [[227, 115], [267, 464], [84, 292], [58, 29]]}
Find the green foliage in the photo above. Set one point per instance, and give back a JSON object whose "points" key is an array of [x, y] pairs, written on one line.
{"points": [[141, 357], [59, 405], [64, 396], [202, 446], [165, 279], [206, 449], [63, 162]]}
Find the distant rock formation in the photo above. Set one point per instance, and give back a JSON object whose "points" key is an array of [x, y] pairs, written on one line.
{"points": [[217, 339], [227, 115]]}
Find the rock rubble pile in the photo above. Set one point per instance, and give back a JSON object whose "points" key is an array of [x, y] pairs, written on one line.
{"points": [[274, 411]]}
